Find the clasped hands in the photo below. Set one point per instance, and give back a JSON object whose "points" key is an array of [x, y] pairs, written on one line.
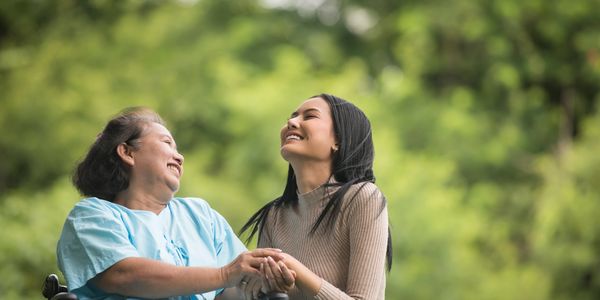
{"points": [[259, 272]]}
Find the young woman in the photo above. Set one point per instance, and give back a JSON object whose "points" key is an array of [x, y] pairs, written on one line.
{"points": [[331, 218], [131, 238]]}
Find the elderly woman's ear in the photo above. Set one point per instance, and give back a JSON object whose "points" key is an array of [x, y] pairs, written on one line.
{"points": [[126, 154]]}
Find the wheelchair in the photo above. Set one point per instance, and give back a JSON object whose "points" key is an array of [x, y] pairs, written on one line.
{"points": [[53, 290]]}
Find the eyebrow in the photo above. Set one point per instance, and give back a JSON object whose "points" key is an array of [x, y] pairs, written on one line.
{"points": [[306, 111]]}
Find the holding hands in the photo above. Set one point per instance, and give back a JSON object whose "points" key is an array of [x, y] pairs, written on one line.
{"points": [[277, 276], [247, 265], [259, 272]]}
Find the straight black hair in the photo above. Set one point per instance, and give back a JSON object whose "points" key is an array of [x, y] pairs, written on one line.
{"points": [[351, 164]]}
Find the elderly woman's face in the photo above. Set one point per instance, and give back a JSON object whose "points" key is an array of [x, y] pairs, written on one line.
{"points": [[157, 163], [308, 133]]}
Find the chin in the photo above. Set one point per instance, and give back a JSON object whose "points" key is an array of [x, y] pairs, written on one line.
{"points": [[286, 154], [174, 188]]}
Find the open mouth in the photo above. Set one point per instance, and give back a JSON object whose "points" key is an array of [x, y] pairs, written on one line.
{"points": [[175, 168], [293, 137]]}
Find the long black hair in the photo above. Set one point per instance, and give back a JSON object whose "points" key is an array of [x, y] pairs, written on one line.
{"points": [[351, 164]]}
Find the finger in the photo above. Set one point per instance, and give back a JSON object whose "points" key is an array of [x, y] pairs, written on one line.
{"points": [[264, 252], [278, 276], [265, 285], [270, 276], [255, 262], [286, 273], [242, 282], [265, 277], [247, 292], [255, 285]]}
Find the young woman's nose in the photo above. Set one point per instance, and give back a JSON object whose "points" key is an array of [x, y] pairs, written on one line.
{"points": [[292, 122]]}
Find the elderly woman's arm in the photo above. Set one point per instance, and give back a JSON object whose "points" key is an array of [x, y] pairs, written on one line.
{"points": [[147, 278]]}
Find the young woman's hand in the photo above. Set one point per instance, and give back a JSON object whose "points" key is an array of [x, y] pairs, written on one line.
{"points": [[305, 280], [251, 287], [277, 276]]}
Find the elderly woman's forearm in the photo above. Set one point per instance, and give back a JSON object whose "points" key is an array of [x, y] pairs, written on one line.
{"points": [[141, 277]]}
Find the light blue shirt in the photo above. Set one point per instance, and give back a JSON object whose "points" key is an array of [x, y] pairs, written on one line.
{"points": [[99, 233]]}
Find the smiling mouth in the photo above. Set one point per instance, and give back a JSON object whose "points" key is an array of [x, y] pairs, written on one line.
{"points": [[293, 137], [175, 168]]}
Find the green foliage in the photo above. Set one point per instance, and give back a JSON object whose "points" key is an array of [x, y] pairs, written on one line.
{"points": [[483, 116], [31, 223], [566, 238]]}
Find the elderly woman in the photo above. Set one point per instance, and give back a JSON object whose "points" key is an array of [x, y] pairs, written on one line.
{"points": [[131, 238], [331, 218]]}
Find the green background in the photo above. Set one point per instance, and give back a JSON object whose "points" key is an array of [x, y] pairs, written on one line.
{"points": [[484, 117]]}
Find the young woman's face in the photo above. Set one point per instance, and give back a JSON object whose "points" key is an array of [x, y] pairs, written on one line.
{"points": [[156, 161], [308, 133]]}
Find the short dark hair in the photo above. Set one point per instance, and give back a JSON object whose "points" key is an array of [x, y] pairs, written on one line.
{"points": [[352, 164], [102, 173]]}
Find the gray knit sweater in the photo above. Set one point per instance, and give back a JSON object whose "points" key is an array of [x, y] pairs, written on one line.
{"points": [[350, 257]]}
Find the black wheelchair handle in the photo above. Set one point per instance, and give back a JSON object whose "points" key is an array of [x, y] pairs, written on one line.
{"points": [[52, 290]]}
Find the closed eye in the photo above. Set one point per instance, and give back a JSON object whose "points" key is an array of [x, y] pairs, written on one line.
{"points": [[170, 143]]}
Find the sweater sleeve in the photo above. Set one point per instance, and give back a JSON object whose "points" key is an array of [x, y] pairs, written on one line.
{"points": [[367, 220]]}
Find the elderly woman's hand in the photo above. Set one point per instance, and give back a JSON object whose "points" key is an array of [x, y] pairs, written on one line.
{"points": [[247, 266]]}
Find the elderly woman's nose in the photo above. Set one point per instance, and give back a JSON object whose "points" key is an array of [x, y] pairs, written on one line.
{"points": [[179, 158]]}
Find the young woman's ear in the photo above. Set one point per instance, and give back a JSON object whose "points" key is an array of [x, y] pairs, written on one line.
{"points": [[125, 153], [335, 148]]}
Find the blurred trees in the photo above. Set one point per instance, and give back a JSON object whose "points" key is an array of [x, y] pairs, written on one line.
{"points": [[484, 117]]}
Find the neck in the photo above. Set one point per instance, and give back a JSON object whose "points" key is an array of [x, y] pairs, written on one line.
{"points": [[134, 199], [311, 175]]}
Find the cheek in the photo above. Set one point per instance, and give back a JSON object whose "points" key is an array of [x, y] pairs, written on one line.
{"points": [[328, 136], [282, 132], [324, 142]]}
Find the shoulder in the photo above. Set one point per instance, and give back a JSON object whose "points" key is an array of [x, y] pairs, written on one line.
{"points": [[364, 196], [190, 204], [93, 218], [93, 206], [194, 206], [364, 191]]}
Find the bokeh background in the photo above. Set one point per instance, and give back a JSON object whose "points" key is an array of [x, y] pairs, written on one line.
{"points": [[484, 114]]}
